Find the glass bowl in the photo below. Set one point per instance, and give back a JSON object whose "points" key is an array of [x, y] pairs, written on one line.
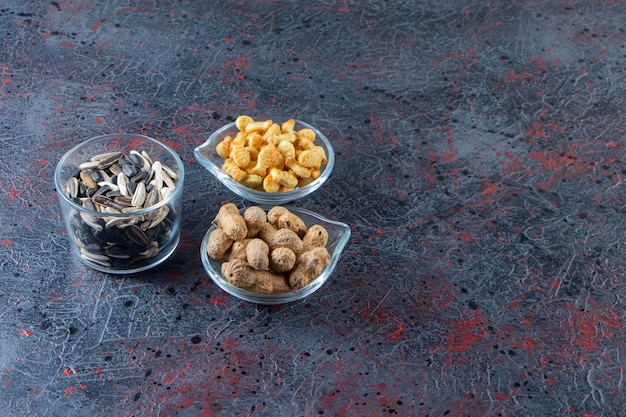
{"points": [[108, 229], [207, 157], [338, 236]]}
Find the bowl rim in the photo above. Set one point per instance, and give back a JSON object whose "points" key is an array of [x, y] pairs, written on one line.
{"points": [[263, 197], [110, 136], [279, 298]]}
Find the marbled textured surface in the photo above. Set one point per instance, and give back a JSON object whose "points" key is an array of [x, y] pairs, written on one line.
{"points": [[480, 163]]}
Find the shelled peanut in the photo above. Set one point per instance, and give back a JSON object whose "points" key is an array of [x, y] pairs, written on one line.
{"points": [[271, 157], [273, 252]]}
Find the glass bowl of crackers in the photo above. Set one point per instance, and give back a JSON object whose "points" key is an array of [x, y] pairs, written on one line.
{"points": [[235, 268], [268, 161]]}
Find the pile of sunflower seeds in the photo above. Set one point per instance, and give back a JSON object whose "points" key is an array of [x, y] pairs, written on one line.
{"points": [[117, 185]]}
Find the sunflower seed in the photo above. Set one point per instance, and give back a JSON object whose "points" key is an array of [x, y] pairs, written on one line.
{"points": [[137, 236], [88, 204], [146, 163], [139, 197], [89, 219], [105, 160], [91, 222], [115, 168], [146, 156], [169, 171], [131, 209], [117, 252], [130, 170], [131, 187], [141, 176], [135, 159], [111, 185], [72, 187], [125, 201], [113, 194], [165, 192], [167, 179], [103, 200], [89, 165], [152, 198], [113, 208], [122, 183], [86, 176], [97, 175], [101, 191], [94, 257], [121, 222], [115, 155], [149, 253], [161, 215], [157, 176]]}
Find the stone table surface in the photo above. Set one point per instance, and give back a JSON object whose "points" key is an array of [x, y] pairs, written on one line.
{"points": [[480, 165]]}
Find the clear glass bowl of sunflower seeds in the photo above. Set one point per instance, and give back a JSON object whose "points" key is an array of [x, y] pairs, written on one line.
{"points": [[121, 200]]}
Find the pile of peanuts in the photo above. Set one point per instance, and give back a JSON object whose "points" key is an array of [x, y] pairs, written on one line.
{"points": [[270, 157], [267, 253]]}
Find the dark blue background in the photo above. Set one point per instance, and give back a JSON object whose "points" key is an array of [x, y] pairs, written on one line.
{"points": [[480, 163]]}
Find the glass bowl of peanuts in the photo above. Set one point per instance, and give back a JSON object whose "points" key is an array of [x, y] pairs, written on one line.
{"points": [[236, 264], [268, 161]]}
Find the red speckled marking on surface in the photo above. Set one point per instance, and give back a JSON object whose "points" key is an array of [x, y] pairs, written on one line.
{"points": [[14, 193], [587, 331], [464, 334], [71, 389], [397, 334], [219, 302], [551, 160]]}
